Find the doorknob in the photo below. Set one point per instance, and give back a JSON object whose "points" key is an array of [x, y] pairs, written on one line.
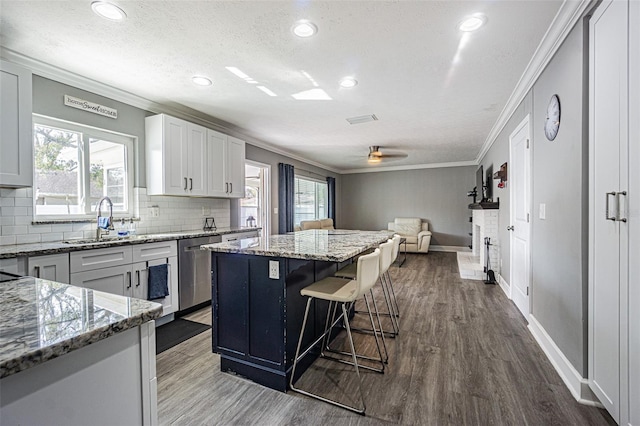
{"points": [[510, 228]]}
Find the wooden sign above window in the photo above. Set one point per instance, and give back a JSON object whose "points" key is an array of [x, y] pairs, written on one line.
{"points": [[90, 107]]}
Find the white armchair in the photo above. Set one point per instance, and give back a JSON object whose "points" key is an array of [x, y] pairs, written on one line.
{"points": [[415, 230]]}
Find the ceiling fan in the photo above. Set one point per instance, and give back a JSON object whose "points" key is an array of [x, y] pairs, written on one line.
{"points": [[376, 156]]}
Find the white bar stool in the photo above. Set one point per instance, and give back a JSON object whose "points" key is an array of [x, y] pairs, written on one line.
{"points": [[345, 292], [386, 259]]}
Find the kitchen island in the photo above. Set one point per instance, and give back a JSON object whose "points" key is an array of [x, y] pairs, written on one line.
{"points": [[74, 356], [257, 306]]}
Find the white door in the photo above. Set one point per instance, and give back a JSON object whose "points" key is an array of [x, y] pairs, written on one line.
{"points": [[235, 166], [608, 112], [217, 185], [520, 194], [54, 267], [175, 151], [197, 155], [256, 202], [115, 280]]}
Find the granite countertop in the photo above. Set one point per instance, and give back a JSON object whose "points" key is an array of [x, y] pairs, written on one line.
{"points": [[313, 244], [41, 320], [36, 249]]}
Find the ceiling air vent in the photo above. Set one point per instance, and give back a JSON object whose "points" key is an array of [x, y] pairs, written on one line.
{"points": [[362, 119]]}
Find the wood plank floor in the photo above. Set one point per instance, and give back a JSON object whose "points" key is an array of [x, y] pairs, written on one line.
{"points": [[463, 357]]}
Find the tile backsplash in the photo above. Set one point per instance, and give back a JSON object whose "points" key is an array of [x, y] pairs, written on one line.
{"points": [[175, 214]]}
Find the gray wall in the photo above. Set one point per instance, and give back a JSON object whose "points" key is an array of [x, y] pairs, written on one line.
{"points": [[48, 99], [261, 155], [559, 179], [370, 200], [560, 169], [491, 162]]}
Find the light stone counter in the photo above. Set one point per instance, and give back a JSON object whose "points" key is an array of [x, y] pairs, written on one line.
{"points": [[314, 244], [37, 249], [41, 320]]}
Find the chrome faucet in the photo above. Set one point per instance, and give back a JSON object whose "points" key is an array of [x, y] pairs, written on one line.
{"points": [[99, 230]]}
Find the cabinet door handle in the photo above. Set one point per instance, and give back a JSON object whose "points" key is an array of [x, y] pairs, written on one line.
{"points": [[226, 187], [606, 206], [129, 278], [621, 219], [190, 184], [185, 184], [37, 270], [510, 228], [138, 278], [231, 185]]}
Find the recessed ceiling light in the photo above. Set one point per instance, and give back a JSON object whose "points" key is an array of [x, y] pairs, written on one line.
{"points": [[348, 82], [201, 81], [108, 10], [472, 23], [304, 28]]}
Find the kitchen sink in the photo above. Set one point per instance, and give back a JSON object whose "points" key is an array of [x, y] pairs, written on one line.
{"points": [[106, 240]]}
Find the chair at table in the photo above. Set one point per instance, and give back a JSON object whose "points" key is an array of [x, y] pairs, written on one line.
{"points": [[344, 292]]}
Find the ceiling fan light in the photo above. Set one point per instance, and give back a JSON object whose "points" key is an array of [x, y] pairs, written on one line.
{"points": [[374, 159]]}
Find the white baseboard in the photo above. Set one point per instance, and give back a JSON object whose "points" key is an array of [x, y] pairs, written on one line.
{"points": [[449, 248], [578, 385], [504, 286]]}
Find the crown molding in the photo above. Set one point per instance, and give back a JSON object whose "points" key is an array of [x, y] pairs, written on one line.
{"points": [[410, 167], [72, 79], [568, 15]]}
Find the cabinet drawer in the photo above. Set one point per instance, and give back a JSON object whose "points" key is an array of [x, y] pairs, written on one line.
{"points": [[239, 236], [88, 260], [144, 252]]}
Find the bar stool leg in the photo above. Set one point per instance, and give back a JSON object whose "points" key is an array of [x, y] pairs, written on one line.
{"points": [[396, 308], [384, 343], [295, 359], [355, 364], [391, 314], [384, 359], [355, 361]]}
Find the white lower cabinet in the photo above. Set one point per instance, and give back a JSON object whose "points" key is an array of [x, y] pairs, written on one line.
{"points": [[127, 270], [54, 267], [115, 280]]}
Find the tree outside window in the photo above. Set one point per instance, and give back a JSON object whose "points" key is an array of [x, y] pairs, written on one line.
{"points": [[76, 166]]}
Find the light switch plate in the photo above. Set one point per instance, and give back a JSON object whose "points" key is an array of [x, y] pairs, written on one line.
{"points": [[274, 269], [275, 210], [543, 211]]}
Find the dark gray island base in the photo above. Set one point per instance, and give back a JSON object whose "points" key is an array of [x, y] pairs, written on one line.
{"points": [[257, 319]]}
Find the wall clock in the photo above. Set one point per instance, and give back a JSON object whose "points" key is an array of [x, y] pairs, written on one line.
{"points": [[552, 122]]}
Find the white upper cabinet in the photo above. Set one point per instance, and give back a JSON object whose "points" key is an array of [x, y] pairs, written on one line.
{"points": [[235, 167], [226, 165], [16, 161], [186, 159], [217, 184], [176, 154]]}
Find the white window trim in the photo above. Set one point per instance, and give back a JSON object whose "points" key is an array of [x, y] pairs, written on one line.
{"points": [[129, 141]]}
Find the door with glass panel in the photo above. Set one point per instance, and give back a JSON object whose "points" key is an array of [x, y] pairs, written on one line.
{"points": [[254, 207]]}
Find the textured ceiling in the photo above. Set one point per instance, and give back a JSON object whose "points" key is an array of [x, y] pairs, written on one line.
{"points": [[436, 93]]}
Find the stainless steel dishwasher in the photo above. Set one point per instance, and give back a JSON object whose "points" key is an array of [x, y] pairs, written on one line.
{"points": [[194, 279]]}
